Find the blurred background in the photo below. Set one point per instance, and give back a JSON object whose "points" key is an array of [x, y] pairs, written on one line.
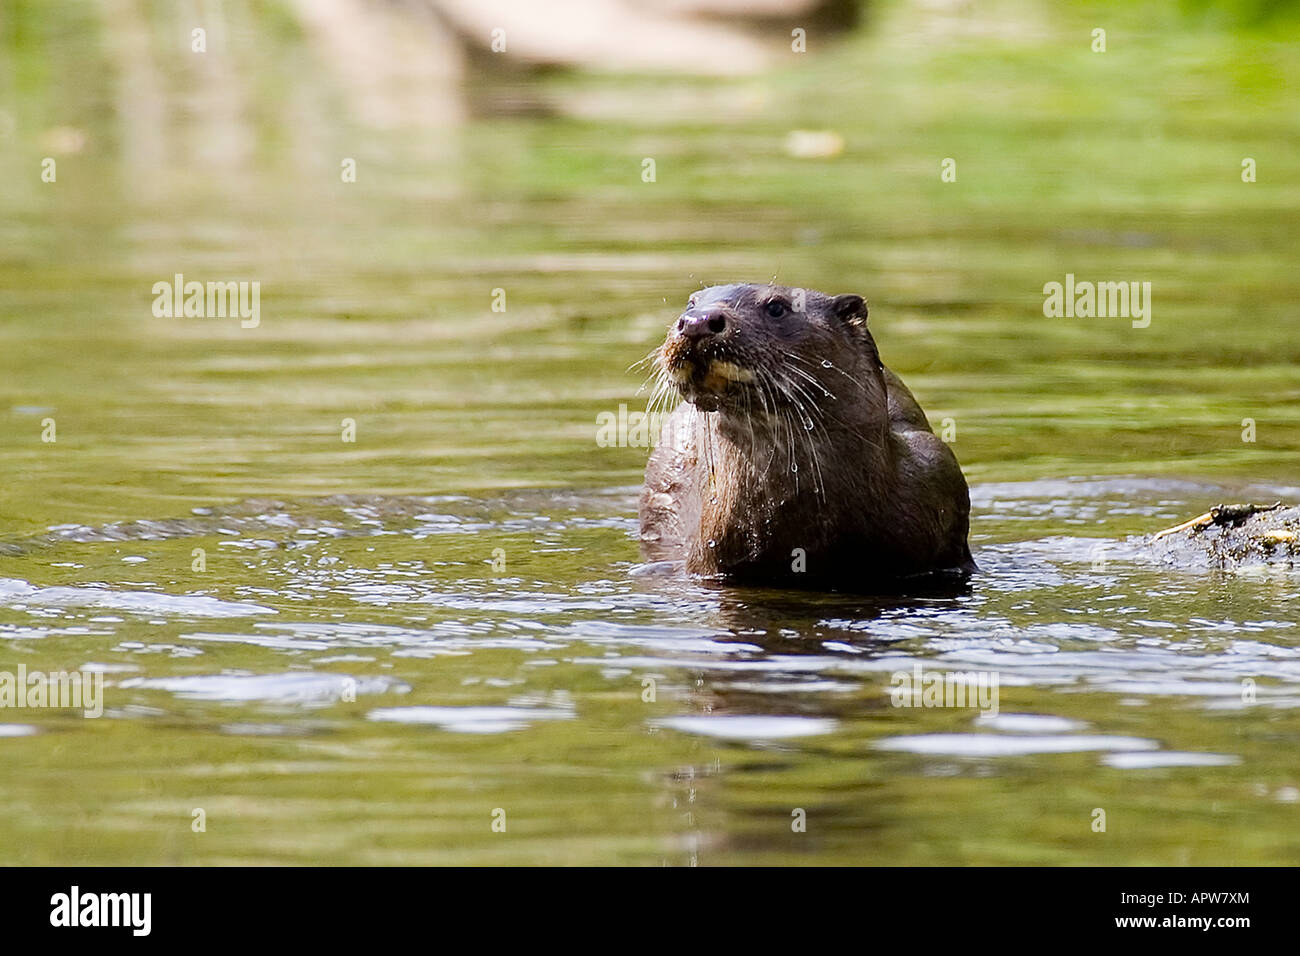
{"points": [[445, 205], [522, 170]]}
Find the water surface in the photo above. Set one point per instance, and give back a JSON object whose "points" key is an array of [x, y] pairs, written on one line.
{"points": [[358, 651]]}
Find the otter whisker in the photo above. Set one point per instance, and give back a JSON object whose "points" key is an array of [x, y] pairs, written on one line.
{"points": [[809, 443], [779, 420], [761, 391], [654, 375], [827, 414], [810, 413], [651, 356], [797, 389], [828, 364], [810, 378]]}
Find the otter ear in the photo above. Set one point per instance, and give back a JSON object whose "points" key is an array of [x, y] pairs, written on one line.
{"points": [[850, 308]]}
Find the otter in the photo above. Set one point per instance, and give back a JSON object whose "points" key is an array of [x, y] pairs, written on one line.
{"points": [[796, 458]]}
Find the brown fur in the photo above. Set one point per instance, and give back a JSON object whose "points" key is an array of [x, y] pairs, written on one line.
{"points": [[825, 451]]}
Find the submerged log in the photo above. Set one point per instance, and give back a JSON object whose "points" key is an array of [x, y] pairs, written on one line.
{"points": [[1233, 535]]}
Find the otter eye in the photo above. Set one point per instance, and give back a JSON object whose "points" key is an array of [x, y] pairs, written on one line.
{"points": [[776, 308]]}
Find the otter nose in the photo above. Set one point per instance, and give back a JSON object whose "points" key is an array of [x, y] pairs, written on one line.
{"points": [[704, 325]]}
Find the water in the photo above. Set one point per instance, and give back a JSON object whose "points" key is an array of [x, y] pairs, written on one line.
{"points": [[366, 651], [351, 681]]}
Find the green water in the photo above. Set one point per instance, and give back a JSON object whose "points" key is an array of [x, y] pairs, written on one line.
{"points": [[363, 569]]}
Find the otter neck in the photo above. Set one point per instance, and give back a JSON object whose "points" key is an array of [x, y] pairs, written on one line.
{"points": [[783, 457], [759, 466], [781, 446]]}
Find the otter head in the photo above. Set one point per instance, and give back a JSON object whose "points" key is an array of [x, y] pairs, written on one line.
{"points": [[751, 349]]}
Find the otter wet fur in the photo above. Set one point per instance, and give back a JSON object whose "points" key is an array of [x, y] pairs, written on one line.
{"points": [[796, 458]]}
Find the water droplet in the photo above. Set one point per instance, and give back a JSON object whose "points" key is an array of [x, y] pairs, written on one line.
{"points": [[712, 543], [794, 467], [826, 363]]}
